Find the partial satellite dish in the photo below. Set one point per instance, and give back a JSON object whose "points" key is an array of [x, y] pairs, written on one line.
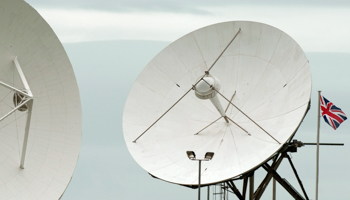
{"points": [[40, 112], [238, 89]]}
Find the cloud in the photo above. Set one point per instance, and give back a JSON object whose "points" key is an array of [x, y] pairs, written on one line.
{"points": [[82, 25], [315, 29]]}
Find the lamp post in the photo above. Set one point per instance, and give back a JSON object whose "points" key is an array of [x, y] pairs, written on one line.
{"points": [[192, 156]]}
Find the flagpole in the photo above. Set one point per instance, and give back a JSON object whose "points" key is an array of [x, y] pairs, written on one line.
{"points": [[318, 142]]}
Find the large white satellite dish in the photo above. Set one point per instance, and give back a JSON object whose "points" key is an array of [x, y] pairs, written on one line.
{"points": [[40, 112], [265, 84]]}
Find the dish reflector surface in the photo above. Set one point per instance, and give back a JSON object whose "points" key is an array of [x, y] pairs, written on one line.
{"points": [[55, 126], [265, 73]]}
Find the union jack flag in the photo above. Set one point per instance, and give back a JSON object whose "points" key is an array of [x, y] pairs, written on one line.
{"points": [[331, 114]]}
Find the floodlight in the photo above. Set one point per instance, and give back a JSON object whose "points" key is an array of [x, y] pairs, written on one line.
{"points": [[191, 155], [209, 155]]}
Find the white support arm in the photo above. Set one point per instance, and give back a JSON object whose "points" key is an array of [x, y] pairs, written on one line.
{"points": [[15, 89], [23, 78], [13, 110], [25, 141]]}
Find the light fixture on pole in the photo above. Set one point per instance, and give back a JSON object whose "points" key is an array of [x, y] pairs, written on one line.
{"points": [[192, 156]]}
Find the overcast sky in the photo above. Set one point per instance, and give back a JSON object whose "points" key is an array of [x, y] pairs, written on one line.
{"points": [[312, 24], [94, 35]]}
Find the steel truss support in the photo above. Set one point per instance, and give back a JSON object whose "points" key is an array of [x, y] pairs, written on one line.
{"points": [[251, 187], [27, 101], [271, 174], [297, 176], [283, 182], [275, 164], [235, 190], [245, 184]]}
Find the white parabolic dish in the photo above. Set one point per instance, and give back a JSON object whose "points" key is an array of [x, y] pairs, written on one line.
{"points": [[266, 71], [55, 125]]}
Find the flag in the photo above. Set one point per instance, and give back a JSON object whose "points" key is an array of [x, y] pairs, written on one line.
{"points": [[331, 114]]}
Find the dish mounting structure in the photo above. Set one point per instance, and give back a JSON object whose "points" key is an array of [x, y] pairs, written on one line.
{"points": [[262, 75], [39, 142]]}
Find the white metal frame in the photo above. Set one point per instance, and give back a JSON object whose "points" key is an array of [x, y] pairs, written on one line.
{"points": [[29, 100]]}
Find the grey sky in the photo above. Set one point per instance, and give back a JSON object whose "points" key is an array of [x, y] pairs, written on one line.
{"points": [[309, 24]]}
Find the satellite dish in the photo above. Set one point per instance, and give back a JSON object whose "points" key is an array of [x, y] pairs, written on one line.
{"points": [[265, 84], [40, 112]]}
